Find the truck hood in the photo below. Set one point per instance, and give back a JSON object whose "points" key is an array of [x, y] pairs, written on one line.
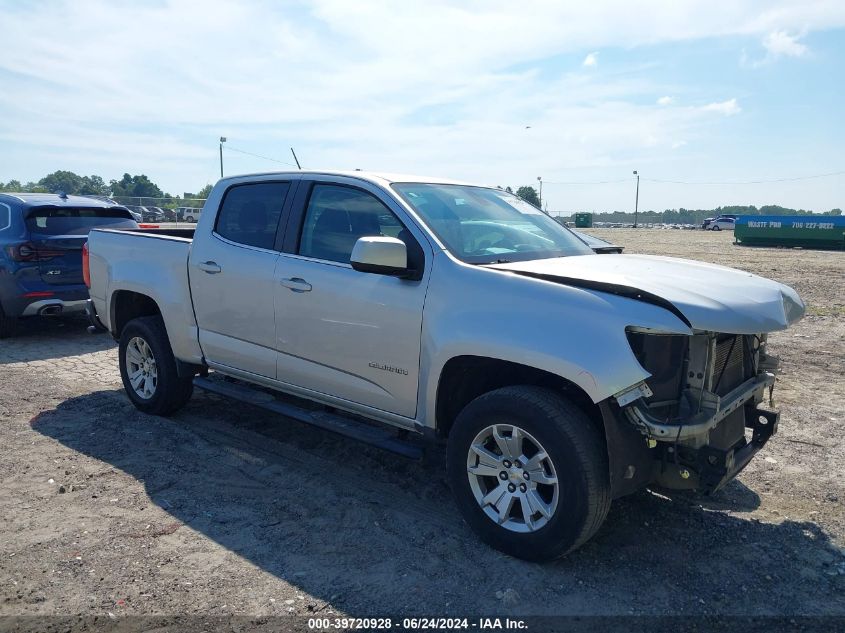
{"points": [[706, 296]]}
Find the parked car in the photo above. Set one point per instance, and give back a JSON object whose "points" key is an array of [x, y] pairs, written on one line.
{"points": [[41, 237], [188, 214], [723, 223], [418, 308], [706, 224], [153, 214], [138, 212]]}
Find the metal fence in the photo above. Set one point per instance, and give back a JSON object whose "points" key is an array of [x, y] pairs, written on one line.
{"points": [[163, 209]]}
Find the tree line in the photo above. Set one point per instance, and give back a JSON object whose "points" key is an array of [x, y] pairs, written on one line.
{"points": [[697, 216], [672, 216], [129, 186]]}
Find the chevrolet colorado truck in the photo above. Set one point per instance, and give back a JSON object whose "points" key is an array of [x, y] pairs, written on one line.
{"points": [[393, 309]]}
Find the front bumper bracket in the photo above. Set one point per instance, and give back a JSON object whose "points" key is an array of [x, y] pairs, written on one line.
{"points": [[695, 430], [717, 467]]}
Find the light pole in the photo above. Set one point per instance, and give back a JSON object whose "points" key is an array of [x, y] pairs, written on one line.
{"points": [[222, 140], [540, 195], [637, 198]]}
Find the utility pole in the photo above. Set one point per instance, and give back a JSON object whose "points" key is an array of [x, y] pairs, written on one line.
{"points": [[540, 195], [222, 140], [637, 198]]}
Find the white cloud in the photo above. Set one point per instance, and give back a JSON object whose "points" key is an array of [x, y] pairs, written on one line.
{"points": [[777, 44], [727, 108], [665, 101], [591, 60], [782, 44]]}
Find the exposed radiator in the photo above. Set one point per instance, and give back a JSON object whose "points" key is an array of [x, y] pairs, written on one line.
{"points": [[728, 367]]}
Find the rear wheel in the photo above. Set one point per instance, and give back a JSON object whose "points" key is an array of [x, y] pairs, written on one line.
{"points": [[7, 324], [529, 471], [148, 368]]}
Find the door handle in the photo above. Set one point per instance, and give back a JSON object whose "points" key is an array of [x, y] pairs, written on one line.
{"points": [[296, 284], [212, 268]]}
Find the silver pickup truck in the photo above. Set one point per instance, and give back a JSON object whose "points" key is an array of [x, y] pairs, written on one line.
{"points": [[396, 309]]}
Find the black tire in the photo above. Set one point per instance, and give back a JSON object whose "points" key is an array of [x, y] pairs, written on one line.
{"points": [[576, 448], [171, 391], [8, 324], [717, 228]]}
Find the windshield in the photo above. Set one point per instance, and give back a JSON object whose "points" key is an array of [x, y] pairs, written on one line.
{"points": [[480, 225], [76, 220]]}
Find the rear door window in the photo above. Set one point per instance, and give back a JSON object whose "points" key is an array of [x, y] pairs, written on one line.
{"points": [[75, 221], [250, 213]]}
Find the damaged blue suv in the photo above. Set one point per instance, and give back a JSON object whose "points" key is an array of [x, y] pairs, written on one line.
{"points": [[41, 238]]}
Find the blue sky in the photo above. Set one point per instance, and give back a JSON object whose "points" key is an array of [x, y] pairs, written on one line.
{"points": [[493, 92]]}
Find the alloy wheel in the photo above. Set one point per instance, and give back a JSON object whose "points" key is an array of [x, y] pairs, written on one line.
{"points": [[141, 368], [512, 478]]}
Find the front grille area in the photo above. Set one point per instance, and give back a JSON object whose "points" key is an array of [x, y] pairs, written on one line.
{"points": [[728, 368], [668, 359]]}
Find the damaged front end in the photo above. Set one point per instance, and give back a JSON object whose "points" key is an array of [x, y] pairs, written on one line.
{"points": [[699, 411]]}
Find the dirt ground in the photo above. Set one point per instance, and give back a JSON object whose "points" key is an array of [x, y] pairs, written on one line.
{"points": [[225, 509]]}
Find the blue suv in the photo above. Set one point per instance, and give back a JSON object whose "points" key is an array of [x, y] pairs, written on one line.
{"points": [[41, 238]]}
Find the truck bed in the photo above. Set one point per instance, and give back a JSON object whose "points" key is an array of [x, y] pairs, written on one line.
{"points": [[153, 262]]}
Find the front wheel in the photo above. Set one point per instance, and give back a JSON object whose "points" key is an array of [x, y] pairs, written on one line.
{"points": [[529, 472], [717, 228], [148, 368]]}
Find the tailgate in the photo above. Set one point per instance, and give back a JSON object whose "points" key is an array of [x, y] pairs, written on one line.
{"points": [[59, 257], [58, 233]]}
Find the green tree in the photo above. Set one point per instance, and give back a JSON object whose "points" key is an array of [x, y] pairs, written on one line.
{"points": [[94, 186], [204, 192], [529, 194], [834, 212], [65, 181], [35, 187], [135, 187], [12, 185]]}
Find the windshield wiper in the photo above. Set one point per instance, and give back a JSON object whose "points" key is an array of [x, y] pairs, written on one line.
{"points": [[495, 261]]}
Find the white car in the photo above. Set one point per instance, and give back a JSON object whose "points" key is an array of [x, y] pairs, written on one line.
{"points": [[722, 224], [406, 307], [188, 214]]}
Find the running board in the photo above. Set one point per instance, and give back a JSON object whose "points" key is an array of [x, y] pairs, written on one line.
{"points": [[348, 427]]}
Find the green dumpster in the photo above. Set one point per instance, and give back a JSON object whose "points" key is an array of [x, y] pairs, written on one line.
{"points": [[583, 220], [806, 231]]}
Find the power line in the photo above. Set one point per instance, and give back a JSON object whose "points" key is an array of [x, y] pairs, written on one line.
{"points": [[746, 182], [693, 182], [240, 151], [585, 182]]}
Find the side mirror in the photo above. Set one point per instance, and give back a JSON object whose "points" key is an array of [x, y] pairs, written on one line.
{"points": [[380, 255]]}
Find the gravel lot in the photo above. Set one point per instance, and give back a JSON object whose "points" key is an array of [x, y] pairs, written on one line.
{"points": [[227, 509]]}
